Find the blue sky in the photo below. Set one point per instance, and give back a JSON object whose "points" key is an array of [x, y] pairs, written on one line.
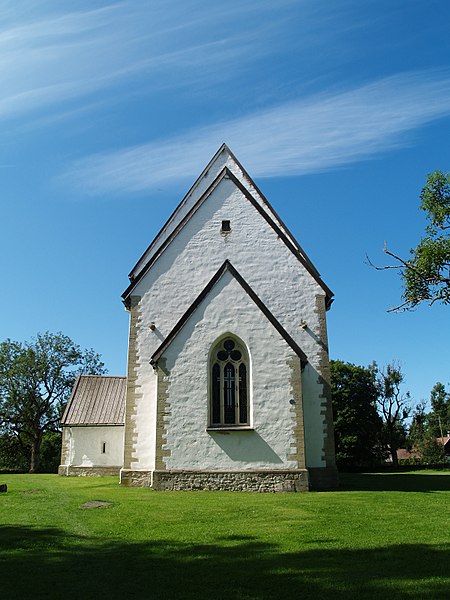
{"points": [[110, 110]]}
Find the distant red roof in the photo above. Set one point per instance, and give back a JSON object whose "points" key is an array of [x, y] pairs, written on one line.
{"points": [[403, 454], [445, 441]]}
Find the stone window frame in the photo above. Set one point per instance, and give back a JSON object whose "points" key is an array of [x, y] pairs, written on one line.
{"points": [[243, 361]]}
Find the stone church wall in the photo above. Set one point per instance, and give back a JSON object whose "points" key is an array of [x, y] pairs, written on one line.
{"points": [[269, 442], [160, 436], [264, 261]]}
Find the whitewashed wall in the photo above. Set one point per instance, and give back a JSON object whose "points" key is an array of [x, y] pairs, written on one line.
{"points": [[84, 446], [223, 159], [185, 268], [191, 446]]}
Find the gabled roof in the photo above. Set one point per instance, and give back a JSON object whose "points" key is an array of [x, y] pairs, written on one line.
{"points": [[161, 242], [211, 171], [96, 400], [171, 222], [227, 266]]}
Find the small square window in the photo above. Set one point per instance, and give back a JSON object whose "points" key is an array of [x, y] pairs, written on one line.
{"points": [[225, 226]]}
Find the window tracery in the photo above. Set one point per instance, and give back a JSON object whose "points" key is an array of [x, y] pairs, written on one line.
{"points": [[229, 385]]}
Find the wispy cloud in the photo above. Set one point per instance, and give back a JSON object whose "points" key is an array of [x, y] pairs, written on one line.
{"points": [[315, 134], [49, 60]]}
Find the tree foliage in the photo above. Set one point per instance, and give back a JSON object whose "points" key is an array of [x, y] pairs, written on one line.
{"points": [[427, 428], [371, 409], [439, 417], [36, 378], [394, 406], [357, 424], [426, 274]]}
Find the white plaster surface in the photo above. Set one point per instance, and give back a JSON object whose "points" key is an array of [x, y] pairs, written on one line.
{"points": [[223, 159], [176, 278], [85, 446], [228, 309]]}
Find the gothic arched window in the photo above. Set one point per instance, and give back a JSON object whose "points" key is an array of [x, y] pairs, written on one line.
{"points": [[229, 385]]}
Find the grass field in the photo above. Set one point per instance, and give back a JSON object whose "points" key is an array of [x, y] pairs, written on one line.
{"points": [[378, 536]]}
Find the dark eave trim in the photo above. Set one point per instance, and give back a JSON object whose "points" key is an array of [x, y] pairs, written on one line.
{"points": [[273, 211], [180, 205], [227, 266], [226, 173], [174, 233], [72, 396], [93, 424], [301, 256]]}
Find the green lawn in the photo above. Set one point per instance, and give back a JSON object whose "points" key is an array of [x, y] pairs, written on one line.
{"points": [[379, 536]]}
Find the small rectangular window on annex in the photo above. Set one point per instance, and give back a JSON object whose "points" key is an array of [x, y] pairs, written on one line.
{"points": [[103, 447]]}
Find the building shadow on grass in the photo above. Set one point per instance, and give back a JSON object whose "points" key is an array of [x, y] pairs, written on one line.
{"points": [[400, 482], [47, 563]]}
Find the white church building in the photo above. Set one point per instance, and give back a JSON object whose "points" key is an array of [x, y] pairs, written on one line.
{"points": [[228, 371]]}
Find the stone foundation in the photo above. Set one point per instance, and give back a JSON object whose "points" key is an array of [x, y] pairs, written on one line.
{"points": [[130, 478], [237, 481], [299, 480], [71, 471]]}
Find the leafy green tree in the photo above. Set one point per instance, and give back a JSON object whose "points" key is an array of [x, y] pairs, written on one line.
{"points": [[50, 452], [36, 379], [12, 455], [430, 450], [439, 417], [357, 424], [394, 406], [427, 427], [426, 274], [418, 428]]}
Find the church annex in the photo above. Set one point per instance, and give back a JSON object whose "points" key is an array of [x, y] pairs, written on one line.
{"points": [[228, 372]]}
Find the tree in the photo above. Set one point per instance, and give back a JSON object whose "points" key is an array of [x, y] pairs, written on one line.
{"points": [[394, 407], [426, 274], [439, 417], [418, 428], [35, 382], [426, 428], [357, 424], [431, 451]]}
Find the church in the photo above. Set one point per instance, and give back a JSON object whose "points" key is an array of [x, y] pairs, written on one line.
{"points": [[227, 385]]}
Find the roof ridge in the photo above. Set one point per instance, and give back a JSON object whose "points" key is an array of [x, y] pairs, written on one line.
{"points": [[180, 205], [106, 375], [225, 172]]}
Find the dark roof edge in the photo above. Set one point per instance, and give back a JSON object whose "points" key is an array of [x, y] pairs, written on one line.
{"points": [[227, 266], [294, 248], [272, 210], [174, 233], [180, 205], [225, 172], [106, 376], [72, 396], [93, 424]]}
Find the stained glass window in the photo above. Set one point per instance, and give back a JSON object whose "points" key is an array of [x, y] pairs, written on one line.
{"points": [[229, 384], [215, 393]]}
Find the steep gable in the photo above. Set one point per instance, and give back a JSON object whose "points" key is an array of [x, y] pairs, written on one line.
{"points": [[182, 215], [223, 158], [227, 267]]}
